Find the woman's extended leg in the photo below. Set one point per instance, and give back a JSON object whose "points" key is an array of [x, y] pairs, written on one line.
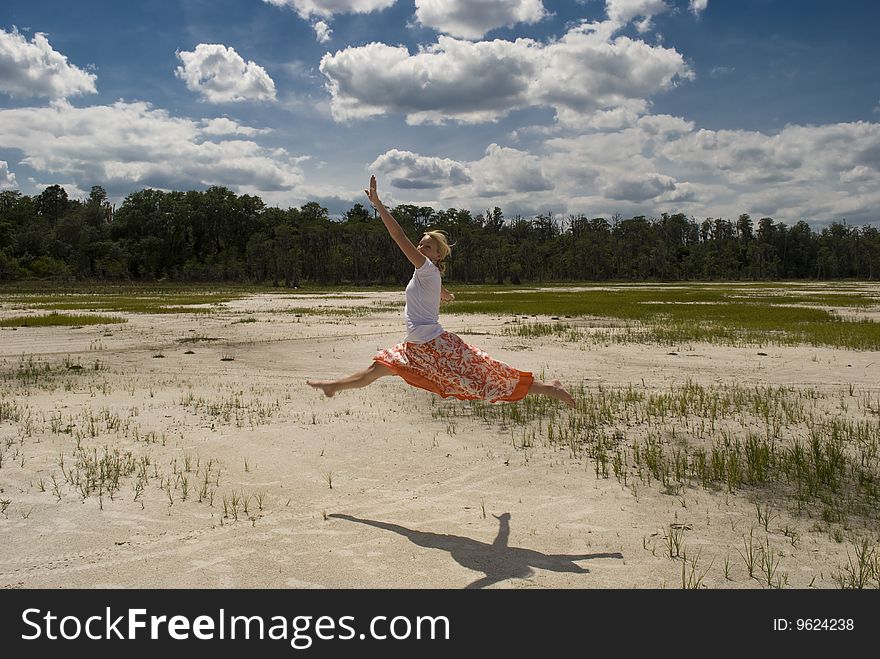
{"points": [[354, 381], [554, 390]]}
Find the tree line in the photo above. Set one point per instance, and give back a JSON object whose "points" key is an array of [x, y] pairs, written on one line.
{"points": [[216, 235]]}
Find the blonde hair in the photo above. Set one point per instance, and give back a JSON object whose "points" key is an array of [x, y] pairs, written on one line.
{"points": [[443, 247]]}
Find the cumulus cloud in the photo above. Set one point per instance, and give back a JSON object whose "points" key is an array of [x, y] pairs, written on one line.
{"points": [[667, 164], [815, 172], [220, 75], [584, 72], [698, 6], [130, 145], [858, 174], [408, 170], [638, 187], [622, 12], [73, 191], [471, 20], [322, 31], [327, 8], [226, 126], [796, 153], [469, 82], [506, 171], [7, 178], [36, 69]]}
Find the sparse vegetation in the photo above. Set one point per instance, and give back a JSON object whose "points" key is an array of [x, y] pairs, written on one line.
{"points": [[59, 320], [778, 467]]}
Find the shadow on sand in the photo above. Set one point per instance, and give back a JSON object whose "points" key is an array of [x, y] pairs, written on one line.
{"points": [[496, 560]]}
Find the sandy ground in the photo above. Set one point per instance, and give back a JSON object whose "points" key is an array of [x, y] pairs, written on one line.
{"points": [[369, 489]]}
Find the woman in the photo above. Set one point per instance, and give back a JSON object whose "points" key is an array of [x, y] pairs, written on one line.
{"points": [[430, 357]]}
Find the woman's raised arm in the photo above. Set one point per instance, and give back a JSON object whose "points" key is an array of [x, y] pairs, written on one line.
{"points": [[394, 228]]}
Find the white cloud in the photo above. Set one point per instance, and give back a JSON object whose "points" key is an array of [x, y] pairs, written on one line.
{"points": [[132, 145], [506, 171], [796, 154], [583, 73], [322, 31], [327, 8], [666, 164], [623, 116], [220, 75], [226, 126], [638, 187], [469, 82], [471, 20], [622, 12], [7, 178], [858, 174], [407, 170], [791, 175], [698, 6], [73, 191], [35, 69]]}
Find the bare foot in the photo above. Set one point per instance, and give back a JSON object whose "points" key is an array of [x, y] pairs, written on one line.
{"points": [[562, 394], [326, 387]]}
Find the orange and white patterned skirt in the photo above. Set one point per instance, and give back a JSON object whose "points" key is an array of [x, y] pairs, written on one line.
{"points": [[450, 367]]}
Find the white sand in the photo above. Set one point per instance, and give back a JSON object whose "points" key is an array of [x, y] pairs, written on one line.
{"points": [[422, 498]]}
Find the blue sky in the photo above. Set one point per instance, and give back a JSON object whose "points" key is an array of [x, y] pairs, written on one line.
{"points": [[599, 107]]}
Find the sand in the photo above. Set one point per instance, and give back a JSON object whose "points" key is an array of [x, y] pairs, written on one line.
{"points": [[369, 489]]}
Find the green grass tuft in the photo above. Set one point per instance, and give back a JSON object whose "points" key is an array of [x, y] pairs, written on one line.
{"points": [[58, 319]]}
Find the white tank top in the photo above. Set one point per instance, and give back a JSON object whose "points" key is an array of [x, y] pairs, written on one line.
{"points": [[422, 311]]}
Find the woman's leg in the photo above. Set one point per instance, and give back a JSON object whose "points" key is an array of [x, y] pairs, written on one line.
{"points": [[554, 390], [354, 381]]}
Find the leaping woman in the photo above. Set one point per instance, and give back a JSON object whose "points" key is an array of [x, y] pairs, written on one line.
{"points": [[430, 357]]}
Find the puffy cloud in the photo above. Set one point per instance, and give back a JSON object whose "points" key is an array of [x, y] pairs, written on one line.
{"points": [[129, 145], [622, 12], [7, 178], [506, 171], [813, 172], [322, 31], [470, 82], [73, 191], [225, 126], [638, 187], [667, 164], [220, 75], [36, 69], [408, 170], [583, 73], [327, 8], [858, 174], [796, 153], [698, 6], [471, 20]]}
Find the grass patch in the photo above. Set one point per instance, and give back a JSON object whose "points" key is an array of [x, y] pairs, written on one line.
{"points": [[347, 312], [181, 303], [31, 371], [58, 319], [677, 315], [773, 442], [234, 409]]}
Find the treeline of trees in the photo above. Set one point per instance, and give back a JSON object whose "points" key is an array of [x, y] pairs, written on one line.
{"points": [[216, 235]]}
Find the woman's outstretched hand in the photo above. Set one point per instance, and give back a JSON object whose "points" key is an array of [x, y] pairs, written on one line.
{"points": [[394, 229], [372, 195]]}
